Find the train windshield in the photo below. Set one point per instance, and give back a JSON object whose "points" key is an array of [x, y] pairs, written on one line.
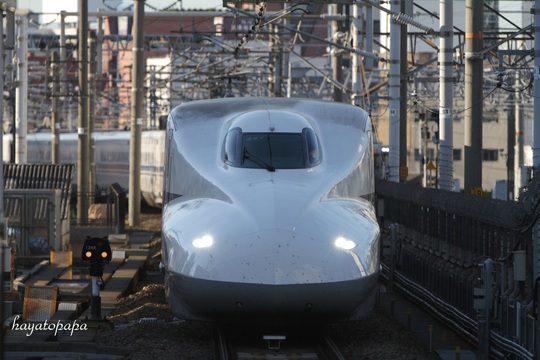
{"points": [[272, 150]]}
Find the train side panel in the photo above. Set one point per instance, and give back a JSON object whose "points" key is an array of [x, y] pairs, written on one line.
{"points": [[152, 167], [111, 158]]}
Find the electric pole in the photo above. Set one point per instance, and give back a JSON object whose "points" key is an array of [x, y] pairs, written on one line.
{"points": [[474, 35], [21, 91], [137, 93], [394, 93], [83, 128], [406, 8], [55, 107], [337, 58], [446, 95], [92, 70]]}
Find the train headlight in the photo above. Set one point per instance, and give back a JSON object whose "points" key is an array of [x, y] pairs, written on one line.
{"points": [[203, 242], [344, 243]]}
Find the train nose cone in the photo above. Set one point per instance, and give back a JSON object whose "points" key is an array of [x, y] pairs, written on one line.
{"points": [[237, 247], [277, 274], [281, 257]]}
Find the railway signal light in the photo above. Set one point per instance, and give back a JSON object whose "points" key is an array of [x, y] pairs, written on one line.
{"points": [[96, 249]]}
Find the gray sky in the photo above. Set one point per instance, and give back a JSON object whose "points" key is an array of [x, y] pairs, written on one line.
{"points": [[186, 4], [49, 6], [513, 10]]}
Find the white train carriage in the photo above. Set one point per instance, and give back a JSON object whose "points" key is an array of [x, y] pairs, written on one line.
{"points": [[111, 154]]}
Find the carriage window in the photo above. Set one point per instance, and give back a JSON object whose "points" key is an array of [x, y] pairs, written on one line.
{"points": [[271, 150]]}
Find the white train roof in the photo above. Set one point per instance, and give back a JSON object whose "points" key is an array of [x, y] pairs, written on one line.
{"points": [[230, 108]]}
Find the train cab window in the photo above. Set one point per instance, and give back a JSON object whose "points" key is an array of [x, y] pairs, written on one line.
{"points": [[271, 150], [277, 150], [313, 148], [231, 147]]}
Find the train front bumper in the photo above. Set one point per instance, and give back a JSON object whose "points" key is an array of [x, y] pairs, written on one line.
{"points": [[209, 300]]}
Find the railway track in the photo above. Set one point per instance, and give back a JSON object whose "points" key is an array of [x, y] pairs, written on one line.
{"points": [[286, 344]]}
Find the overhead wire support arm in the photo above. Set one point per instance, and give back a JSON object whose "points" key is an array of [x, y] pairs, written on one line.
{"points": [[284, 13], [499, 43], [401, 18], [498, 13], [342, 47], [398, 16]]}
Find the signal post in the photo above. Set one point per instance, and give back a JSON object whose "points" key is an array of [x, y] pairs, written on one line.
{"points": [[98, 251]]}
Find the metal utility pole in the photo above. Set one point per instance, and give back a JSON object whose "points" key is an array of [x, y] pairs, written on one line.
{"points": [[11, 73], [337, 58], [406, 8], [1, 137], [286, 67], [536, 140], [356, 65], [446, 96], [63, 68], [2, 240], [518, 152], [272, 66], [4, 246], [152, 98], [536, 163], [55, 121], [21, 92], [83, 130], [474, 35], [510, 146], [424, 130], [369, 62], [137, 93], [278, 63], [92, 71], [9, 66], [394, 92], [99, 55]]}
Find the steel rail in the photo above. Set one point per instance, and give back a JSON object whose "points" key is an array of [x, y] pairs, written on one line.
{"points": [[327, 349], [222, 347]]}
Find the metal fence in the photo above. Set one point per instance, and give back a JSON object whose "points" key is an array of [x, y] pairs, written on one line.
{"points": [[33, 218], [37, 205], [440, 244], [42, 176]]}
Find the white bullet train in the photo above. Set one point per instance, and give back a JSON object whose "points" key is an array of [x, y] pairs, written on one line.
{"points": [[111, 154], [268, 211]]}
